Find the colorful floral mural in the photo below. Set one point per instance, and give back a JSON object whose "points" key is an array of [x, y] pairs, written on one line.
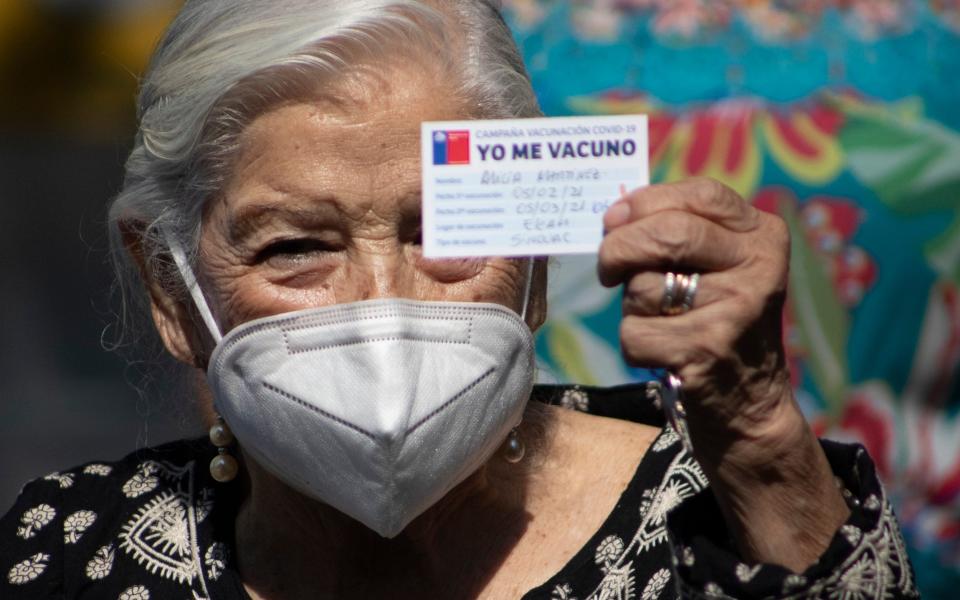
{"points": [[840, 116]]}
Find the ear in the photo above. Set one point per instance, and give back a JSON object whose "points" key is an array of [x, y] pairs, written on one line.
{"points": [[175, 322], [537, 310]]}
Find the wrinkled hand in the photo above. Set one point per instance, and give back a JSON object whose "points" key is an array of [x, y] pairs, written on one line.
{"points": [[746, 429], [727, 349]]}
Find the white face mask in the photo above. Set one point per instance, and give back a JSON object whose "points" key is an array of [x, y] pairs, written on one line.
{"points": [[377, 408]]}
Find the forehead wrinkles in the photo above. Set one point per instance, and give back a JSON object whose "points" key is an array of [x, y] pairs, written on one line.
{"points": [[290, 167], [372, 169], [357, 141], [364, 141]]}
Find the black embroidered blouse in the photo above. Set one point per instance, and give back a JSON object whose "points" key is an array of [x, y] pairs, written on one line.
{"points": [[154, 525]]}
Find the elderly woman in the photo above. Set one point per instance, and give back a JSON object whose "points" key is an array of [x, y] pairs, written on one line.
{"points": [[374, 425]]}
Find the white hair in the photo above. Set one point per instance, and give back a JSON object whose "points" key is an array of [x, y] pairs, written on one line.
{"points": [[223, 62]]}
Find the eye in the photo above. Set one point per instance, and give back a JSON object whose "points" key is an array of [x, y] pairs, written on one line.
{"points": [[293, 249]]}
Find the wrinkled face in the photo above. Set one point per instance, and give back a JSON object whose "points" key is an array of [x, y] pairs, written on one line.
{"points": [[323, 207]]}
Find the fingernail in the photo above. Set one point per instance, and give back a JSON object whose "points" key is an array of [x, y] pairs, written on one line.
{"points": [[616, 215]]}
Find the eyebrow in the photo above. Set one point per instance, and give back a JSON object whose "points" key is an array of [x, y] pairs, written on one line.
{"points": [[247, 220]]}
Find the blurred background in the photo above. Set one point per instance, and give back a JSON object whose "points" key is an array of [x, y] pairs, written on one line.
{"points": [[68, 80], [842, 116]]}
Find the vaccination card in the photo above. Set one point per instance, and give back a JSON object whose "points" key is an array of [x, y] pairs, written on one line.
{"points": [[526, 187]]}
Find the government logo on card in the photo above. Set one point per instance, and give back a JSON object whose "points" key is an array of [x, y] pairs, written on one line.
{"points": [[451, 147]]}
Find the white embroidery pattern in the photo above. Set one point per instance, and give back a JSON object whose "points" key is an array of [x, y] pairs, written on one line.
{"points": [[618, 583], [683, 479], [712, 590], [852, 534], [608, 551], [793, 581], [158, 537], [161, 534], [204, 504], [215, 560], [655, 585], [28, 570], [64, 479], [562, 592], [136, 592], [877, 567], [35, 519], [101, 564], [666, 439], [76, 524], [870, 569], [745, 573], [575, 399], [143, 482], [663, 500], [98, 469], [898, 549]]}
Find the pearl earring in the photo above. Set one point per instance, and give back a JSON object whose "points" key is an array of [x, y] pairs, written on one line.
{"points": [[513, 448], [223, 467]]}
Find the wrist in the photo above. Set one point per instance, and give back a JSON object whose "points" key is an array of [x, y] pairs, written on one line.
{"points": [[771, 435], [777, 492]]}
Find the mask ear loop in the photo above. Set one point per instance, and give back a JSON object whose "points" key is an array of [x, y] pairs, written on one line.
{"points": [[223, 467], [526, 289], [513, 447], [190, 280]]}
